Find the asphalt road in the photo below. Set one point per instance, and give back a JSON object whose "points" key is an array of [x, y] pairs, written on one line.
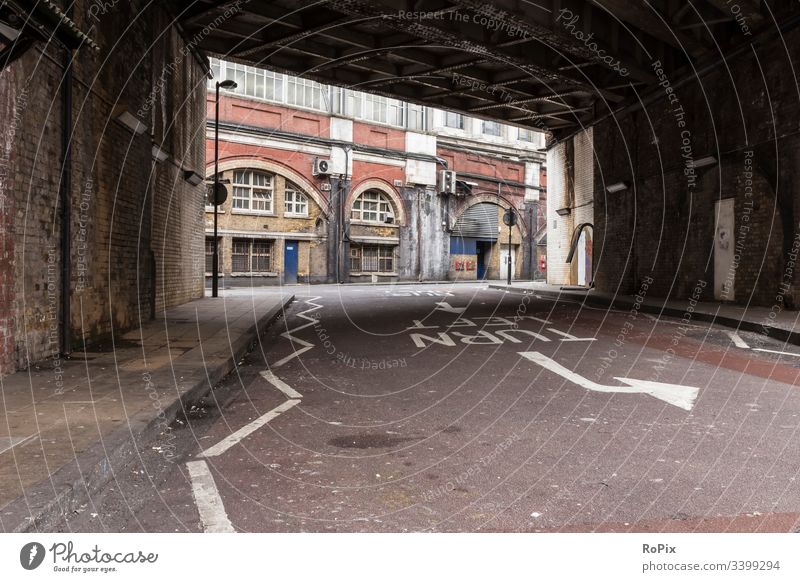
{"points": [[411, 408]]}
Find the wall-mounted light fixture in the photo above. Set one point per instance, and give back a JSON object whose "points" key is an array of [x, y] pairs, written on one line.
{"points": [[130, 121], [617, 187], [705, 161], [192, 177], [159, 155], [564, 211]]}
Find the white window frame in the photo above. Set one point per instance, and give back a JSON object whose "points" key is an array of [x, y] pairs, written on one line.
{"points": [[382, 253], [499, 125], [460, 117], [298, 199], [243, 183], [251, 242], [383, 206]]}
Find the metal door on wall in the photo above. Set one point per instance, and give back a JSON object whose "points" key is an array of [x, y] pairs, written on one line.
{"points": [[724, 272], [290, 262], [504, 257]]}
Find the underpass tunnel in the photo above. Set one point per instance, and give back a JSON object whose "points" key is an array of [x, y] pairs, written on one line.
{"points": [[671, 129]]}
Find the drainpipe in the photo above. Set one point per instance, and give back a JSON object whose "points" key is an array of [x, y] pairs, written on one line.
{"points": [[65, 216]]}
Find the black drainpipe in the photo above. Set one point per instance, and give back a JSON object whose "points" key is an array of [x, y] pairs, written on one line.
{"points": [[65, 188]]}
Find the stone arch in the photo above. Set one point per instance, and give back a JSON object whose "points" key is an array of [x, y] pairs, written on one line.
{"points": [[492, 199], [273, 168], [385, 188]]}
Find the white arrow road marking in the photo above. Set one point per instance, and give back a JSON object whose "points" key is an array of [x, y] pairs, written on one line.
{"points": [[248, 429], [571, 338], [270, 377], [775, 352], [288, 334], [206, 496], [446, 307], [675, 394], [737, 339]]}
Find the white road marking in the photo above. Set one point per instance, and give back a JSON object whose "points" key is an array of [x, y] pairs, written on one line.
{"points": [[8, 443], [270, 377], [296, 340], [236, 437], [675, 394], [737, 340], [206, 496], [446, 307], [775, 352], [571, 338]]}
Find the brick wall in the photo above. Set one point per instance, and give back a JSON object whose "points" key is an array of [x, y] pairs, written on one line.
{"points": [[664, 225], [122, 226]]}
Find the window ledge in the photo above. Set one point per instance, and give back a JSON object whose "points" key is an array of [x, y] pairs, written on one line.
{"points": [[375, 224], [379, 273], [255, 274], [293, 215], [252, 212], [210, 210]]}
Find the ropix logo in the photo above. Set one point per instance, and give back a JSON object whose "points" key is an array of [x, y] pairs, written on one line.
{"points": [[31, 555]]}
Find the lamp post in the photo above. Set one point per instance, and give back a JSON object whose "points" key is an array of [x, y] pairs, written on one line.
{"points": [[227, 84], [509, 219]]}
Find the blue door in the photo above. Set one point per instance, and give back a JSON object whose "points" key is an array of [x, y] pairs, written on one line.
{"points": [[290, 262], [481, 261]]}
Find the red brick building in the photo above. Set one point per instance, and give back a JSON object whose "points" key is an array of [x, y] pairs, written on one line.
{"points": [[328, 184]]}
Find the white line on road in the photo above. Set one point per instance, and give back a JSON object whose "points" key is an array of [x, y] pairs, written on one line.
{"points": [[270, 377], [288, 334], [571, 338], [675, 394], [236, 437], [737, 339], [206, 496], [775, 352], [447, 308]]}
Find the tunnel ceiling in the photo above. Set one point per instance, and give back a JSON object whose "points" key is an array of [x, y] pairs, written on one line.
{"points": [[545, 64]]}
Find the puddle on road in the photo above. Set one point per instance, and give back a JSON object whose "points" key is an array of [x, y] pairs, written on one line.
{"points": [[368, 441]]}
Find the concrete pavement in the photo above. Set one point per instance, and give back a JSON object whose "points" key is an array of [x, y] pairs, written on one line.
{"points": [[435, 408], [71, 424], [774, 322]]}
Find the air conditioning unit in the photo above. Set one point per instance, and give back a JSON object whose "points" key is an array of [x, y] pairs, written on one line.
{"points": [[389, 218], [321, 167], [447, 182], [398, 183]]}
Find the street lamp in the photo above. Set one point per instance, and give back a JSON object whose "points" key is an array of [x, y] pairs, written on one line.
{"points": [[227, 84]]}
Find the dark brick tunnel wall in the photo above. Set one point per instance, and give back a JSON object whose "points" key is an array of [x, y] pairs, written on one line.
{"points": [[746, 115], [137, 225]]}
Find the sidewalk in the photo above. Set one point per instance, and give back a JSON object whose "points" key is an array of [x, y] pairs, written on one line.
{"points": [[781, 325], [69, 423]]}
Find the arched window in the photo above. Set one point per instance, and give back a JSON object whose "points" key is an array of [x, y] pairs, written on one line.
{"points": [[252, 190], [372, 206], [295, 203]]}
